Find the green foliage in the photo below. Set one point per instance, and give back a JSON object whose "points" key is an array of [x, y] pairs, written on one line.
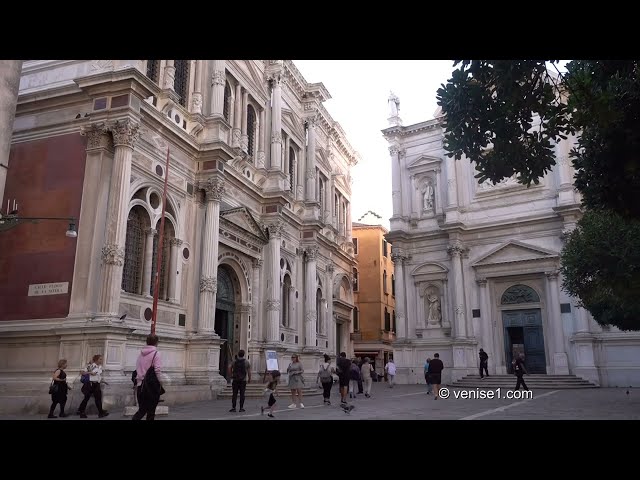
{"points": [[505, 116], [600, 267]]}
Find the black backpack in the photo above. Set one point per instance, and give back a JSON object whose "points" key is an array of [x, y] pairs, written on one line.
{"points": [[240, 370], [151, 386]]}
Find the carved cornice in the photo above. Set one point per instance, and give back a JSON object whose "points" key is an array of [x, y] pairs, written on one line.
{"points": [[208, 284], [97, 136], [125, 133], [213, 188], [113, 254]]}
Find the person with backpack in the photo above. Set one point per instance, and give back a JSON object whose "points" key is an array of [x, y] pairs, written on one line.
{"points": [[148, 386], [91, 379], [241, 374], [325, 376]]}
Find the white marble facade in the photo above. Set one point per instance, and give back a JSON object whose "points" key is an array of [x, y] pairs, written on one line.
{"points": [[477, 266], [258, 223]]}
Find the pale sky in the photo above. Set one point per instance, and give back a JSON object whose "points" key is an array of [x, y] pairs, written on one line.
{"points": [[359, 92]]}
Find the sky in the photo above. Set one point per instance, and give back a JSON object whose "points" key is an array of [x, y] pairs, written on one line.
{"points": [[359, 92]]}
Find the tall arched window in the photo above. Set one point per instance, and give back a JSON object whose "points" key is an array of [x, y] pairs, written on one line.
{"points": [[387, 320], [355, 279], [384, 282], [134, 251], [292, 159], [153, 70], [286, 286], [226, 108], [319, 312], [181, 82], [164, 270], [356, 320], [393, 285], [251, 129]]}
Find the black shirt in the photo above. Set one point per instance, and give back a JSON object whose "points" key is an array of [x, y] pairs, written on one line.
{"points": [[344, 366], [436, 366]]}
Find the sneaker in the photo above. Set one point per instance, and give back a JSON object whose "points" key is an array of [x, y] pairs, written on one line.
{"points": [[293, 405], [103, 414], [261, 410], [233, 410], [302, 405], [367, 395], [242, 410], [270, 415]]}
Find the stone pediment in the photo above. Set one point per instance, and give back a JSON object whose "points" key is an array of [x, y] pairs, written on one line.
{"points": [[290, 119], [429, 269], [514, 251], [425, 162], [241, 217]]}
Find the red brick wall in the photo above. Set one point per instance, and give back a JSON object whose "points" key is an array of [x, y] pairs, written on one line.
{"points": [[45, 178]]}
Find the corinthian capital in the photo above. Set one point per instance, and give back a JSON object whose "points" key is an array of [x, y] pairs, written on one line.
{"points": [[113, 255], [125, 133], [275, 229], [213, 188], [97, 136], [276, 137], [456, 249], [218, 77], [398, 257], [209, 284], [312, 253]]}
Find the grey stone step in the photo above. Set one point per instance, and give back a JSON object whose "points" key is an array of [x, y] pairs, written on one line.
{"points": [[532, 381], [256, 390]]}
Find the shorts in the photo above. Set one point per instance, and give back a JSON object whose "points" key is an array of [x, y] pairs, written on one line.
{"points": [[435, 378], [272, 400], [344, 380]]}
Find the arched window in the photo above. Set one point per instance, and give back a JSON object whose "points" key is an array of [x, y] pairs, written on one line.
{"points": [[355, 279], [164, 270], [134, 251], [393, 285], [292, 159], [384, 282], [285, 314], [153, 70], [226, 109], [387, 320], [519, 294], [251, 129], [319, 312], [181, 82]]}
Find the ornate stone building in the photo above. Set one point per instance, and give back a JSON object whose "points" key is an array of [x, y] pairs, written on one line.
{"points": [[476, 265], [258, 253]]}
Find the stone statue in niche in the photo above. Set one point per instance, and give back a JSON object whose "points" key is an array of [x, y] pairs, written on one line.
{"points": [[434, 314], [428, 195]]}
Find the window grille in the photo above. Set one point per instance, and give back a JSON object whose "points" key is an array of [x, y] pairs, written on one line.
{"points": [[134, 254], [181, 82]]}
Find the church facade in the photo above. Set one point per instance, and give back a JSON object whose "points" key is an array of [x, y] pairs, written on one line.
{"points": [[476, 266], [257, 236]]}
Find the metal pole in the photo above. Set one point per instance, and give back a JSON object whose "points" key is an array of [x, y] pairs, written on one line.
{"points": [[156, 290]]}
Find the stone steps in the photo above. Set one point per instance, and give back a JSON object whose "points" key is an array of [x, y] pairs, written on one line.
{"points": [[550, 382], [256, 390]]}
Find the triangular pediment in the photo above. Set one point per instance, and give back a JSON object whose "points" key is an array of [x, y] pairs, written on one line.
{"points": [[429, 268], [515, 251], [241, 217], [251, 71], [322, 160], [425, 161], [290, 120]]}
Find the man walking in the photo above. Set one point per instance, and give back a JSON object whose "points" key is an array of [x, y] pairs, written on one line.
{"points": [[519, 370], [344, 369], [390, 368], [484, 363], [435, 373], [241, 374]]}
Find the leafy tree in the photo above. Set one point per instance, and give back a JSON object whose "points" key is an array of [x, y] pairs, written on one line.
{"points": [[506, 117]]}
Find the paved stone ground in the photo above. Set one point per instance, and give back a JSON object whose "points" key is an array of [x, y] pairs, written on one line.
{"points": [[410, 402]]}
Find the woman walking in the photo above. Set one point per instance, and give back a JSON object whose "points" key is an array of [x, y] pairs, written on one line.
{"points": [[325, 377], [59, 389], [354, 375], [296, 381], [366, 371], [93, 388]]}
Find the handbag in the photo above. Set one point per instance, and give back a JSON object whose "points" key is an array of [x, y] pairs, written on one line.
{"points": [[53, 388]]}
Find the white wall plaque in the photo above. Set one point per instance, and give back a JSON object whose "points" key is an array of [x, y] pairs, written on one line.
{"points": [[40, 289]]}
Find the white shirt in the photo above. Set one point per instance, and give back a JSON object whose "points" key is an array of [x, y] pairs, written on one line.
{"points": [[95, 371], [390, 368]]}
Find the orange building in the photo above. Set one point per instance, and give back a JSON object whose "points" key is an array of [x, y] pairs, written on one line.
{"points": [[374, 290]]}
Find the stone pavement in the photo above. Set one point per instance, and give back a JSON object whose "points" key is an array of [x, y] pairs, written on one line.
{"points": [[409, 402]]}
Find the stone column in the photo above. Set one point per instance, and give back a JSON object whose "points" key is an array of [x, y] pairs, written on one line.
{"points": [[348, 221], [486, 323], [285, 164], [276, 125], [169, 75], [237, 118], [311, 162], [218, 79], [396, 180], [582, 322], [452, 191], [173, 268], [214, 189], [196, 98], [398, 267], [125, 133], [455, 251], [561, 366], [256, 297], [310, 315], [294, 188], [244, 138], [9, 85], [331, 324], [261, 137], [273, 282], [148, 261]]}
